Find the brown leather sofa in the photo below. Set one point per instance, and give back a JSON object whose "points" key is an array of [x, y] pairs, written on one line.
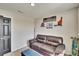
{"points": [[48, 45]]}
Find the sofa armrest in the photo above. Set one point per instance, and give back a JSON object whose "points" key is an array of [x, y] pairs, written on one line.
{"points": [[60, 49], [62, 54], [32, 40]]}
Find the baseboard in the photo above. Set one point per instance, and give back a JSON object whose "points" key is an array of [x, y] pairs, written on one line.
{"points": [[19, 48]]}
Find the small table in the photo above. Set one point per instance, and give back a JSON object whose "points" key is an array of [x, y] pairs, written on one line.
{"points": [[30, 52]]}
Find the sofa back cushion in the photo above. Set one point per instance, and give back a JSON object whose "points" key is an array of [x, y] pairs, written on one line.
{"points": [[51, 40], [54, 39], [52, 43], [41, 38]]}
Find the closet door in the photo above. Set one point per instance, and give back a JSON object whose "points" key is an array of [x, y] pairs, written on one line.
{"points": [[1, 32], [5, 35]]}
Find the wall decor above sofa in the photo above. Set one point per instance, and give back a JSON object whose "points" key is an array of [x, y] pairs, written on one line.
{"points": [[59, 23], [49, 22]]}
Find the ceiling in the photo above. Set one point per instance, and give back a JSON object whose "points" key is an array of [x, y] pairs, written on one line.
{"points": [[39, 10]]}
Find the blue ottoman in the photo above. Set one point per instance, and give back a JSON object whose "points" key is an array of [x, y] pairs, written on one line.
{"points": [[30, 52]]}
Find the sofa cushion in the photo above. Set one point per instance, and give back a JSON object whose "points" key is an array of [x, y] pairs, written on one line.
{"points": [[39, 44], [43, 37], [47, 47], [52, 43], [54, 39], [42, 40]]}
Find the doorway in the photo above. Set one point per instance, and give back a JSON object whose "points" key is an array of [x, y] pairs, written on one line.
{"points": [[5, 35]]}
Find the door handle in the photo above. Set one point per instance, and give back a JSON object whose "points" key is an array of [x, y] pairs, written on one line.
{"points": [[1, 38]]}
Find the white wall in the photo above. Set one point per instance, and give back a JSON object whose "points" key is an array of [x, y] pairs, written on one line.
{"points": [[68, 29], [22, 29]]}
